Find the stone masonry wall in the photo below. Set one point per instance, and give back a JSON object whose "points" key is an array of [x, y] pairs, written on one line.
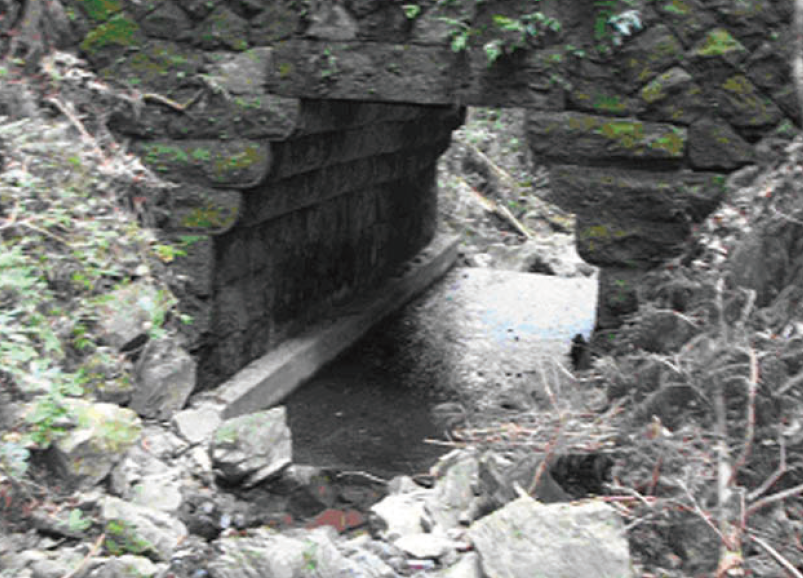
{"points": [[304, 133], [284, 206]]}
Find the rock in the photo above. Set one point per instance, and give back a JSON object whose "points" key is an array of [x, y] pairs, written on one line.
{"points": [[332, 22], [468, 566], [578, 138], [127, 315], [165, 379], [140, 530], [144, 479], [662, 331], [399, 515], [310, 489], [539, 256], [453, 501], [197, 424], [585, 539], [673, 96], [251, 448], [373, 565], [102, 435], [425, 546], [126, 566], [265, 553], [237, 163], [649, 54], [714, 145], [502, 480]]}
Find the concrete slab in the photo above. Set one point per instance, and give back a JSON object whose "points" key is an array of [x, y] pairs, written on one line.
{"points": [[267, 380]]}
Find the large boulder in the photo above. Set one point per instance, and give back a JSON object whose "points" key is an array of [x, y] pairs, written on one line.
{"points": [[165, 379], [103, 433], [585, 539]]}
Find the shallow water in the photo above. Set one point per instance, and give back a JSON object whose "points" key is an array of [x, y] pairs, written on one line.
{"points": [[476, 337]]}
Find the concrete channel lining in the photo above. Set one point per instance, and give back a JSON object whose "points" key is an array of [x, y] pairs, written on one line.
{"points": [[269, 379]]}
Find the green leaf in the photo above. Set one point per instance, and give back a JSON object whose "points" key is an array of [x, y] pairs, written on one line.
{"points": [[411, 11]]}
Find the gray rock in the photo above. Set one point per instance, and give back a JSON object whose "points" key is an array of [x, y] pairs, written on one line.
{"points": [[714, 145], [139, 530], [468, 566], [126, 566], [372, 564], [332, 22], [579, 539], [425, 546], [244, 72], [400, 515], [456, 489], [103, 434], [126, 316], [197, 425], [165, 379], [266, 553], [251, 448]]}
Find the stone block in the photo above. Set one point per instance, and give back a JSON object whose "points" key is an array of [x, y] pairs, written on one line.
{"points": [[617, 297], [222, 29], [742, 104], [673, 96], [633, 194], [234, 164], [608, 240], [195, 269], [714, 145], [649, 54], [688, 19], [579, 138], [156, 65], [203, 210]]}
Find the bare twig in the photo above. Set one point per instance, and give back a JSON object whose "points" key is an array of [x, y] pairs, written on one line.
{"points": [[793, 381], [91, 554], [777, 497], [776, 475], [706, 517], [775, 555], [170, 102], [66, 110], [365, 475], [752, 386]]}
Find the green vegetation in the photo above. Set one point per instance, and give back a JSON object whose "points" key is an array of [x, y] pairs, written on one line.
{"points": [[64, 245]]}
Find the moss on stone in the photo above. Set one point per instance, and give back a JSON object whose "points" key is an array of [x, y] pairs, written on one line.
{"points": [[122, 538], [672, 142], [162, 156], [717, 43], [237, 161], [101, 10], [120, 30], [654, 91], [609, 103], [679, 7], [209, 216]]}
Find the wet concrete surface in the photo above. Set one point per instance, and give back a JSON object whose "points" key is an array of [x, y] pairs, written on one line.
{"points": [[473, 342]]}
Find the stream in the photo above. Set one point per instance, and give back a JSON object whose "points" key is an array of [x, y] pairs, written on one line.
{"points": [[474, 341]]}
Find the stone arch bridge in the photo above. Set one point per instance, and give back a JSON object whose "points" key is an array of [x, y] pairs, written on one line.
{"points": [[304, 134]]}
